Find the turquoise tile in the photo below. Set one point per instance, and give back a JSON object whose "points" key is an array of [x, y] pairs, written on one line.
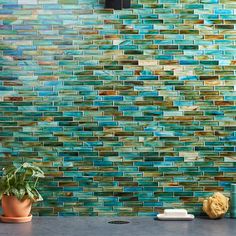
{"points": [[126, 111]]}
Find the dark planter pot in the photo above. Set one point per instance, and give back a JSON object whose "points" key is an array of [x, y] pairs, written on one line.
{"points": [[117, 4]]}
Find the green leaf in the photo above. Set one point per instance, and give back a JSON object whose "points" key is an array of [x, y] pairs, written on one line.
{"points": [[4, 185], [15, 192], [22, 192], [9, 170], [32, 167], [29, 192], [26, 165], [17, 180], [39, 175], [37, 195]]}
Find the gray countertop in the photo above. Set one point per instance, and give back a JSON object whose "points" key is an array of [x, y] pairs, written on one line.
{"points": [[138, 226]]}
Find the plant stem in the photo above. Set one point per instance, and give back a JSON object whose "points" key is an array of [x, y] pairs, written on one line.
{"points": [[36, 181], [23, 179]]}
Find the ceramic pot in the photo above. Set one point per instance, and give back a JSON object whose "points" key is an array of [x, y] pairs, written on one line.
{"points": [[12, 207]]}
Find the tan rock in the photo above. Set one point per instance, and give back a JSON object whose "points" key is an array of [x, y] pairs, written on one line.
{"points": [[216, 206]]}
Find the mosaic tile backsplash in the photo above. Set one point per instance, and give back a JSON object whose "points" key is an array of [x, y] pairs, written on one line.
{"points": [[128, 112]]}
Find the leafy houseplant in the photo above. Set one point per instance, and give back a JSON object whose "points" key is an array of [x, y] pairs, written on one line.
{"points": [[18, 189]]}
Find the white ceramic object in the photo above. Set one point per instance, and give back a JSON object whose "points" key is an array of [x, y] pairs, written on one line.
{"points": [[175, 214]]}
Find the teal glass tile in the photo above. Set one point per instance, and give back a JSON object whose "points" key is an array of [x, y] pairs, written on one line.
{"points": [[128, 112]]}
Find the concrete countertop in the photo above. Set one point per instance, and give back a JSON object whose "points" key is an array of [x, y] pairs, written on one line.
{"points": [[138, 226]]}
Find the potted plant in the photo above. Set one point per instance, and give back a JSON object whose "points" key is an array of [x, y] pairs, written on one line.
{"points": [[18, 191]]}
